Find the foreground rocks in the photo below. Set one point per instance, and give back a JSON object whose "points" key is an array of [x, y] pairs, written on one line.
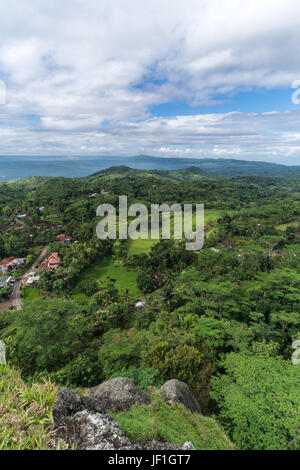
{"points": [[88, 430], [122, 393], [176, 392], [83, 422]]}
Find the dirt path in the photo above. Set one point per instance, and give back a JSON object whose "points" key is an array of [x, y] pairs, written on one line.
{"points": [[15, 299]]}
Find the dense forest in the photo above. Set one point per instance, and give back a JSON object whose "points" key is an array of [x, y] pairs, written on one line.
{"points": [[223, 320]]}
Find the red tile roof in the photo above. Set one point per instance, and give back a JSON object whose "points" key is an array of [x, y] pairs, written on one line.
{"points": [[6, 261], [63, 237], [54, 259]]}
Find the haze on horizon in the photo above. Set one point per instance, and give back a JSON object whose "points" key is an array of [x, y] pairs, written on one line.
{"points": [[200, 79]]}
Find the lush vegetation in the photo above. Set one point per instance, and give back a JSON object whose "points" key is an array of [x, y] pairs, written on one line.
{"points": [[222, 320], [25, 412]]}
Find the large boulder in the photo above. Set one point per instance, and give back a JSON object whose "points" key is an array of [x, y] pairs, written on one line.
{"points": [[176, 392], [67, 403], [95, 431], [121, 392]]}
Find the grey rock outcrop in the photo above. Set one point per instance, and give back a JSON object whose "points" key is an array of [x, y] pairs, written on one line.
{"points": [[68, 403], [95, 431], [88, 430], [121, 392], [83, 422], [176, 392]]}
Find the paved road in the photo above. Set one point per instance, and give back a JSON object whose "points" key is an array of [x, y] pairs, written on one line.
{"points": [[16, 295]]}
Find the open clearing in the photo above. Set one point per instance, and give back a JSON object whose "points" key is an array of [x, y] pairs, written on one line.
{"points": [[102, 271], [126, 278]]}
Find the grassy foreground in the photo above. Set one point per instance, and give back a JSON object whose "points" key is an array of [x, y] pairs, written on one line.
{"points": [[174, 424], [25, 412], [25, 418]]}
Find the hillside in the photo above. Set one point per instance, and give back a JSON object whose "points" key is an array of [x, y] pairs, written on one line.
{"points": [[223, 320]]}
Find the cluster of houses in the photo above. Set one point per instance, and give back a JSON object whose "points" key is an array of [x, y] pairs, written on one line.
{"points": [[64, 238], [48, 226], [272, 254], [6, 266], [11, 263], [50, 263]]}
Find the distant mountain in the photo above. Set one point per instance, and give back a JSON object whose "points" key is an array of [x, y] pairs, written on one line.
{"points": [[15, 167], [223, 167]]}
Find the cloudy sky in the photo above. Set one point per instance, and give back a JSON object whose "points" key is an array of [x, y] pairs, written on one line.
{"points": [[200, 78]]}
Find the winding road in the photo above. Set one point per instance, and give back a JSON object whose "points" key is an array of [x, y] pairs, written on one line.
{"points": [[15, 299]]}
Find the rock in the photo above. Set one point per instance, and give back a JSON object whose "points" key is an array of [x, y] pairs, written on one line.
{"points": [[121, 392], [67, 403], [154, 445], [88, 430], [188, 446], [94, 431], [175, 392]]}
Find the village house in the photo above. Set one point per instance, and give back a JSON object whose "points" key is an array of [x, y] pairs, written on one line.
{"points": [[64, 238], [21, 216], [5, 263], [5, 281], [53, 261], [11, 263], [33, 279]]}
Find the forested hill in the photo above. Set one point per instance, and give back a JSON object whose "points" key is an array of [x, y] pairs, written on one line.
{"points": [[16, 167], [223, 167], [209, 167]]}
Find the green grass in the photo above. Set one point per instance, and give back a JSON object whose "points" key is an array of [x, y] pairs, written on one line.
{"points": [[126, 278], [174, 424], [211, 215], [30, 294], [136, 247], [25, 412]]}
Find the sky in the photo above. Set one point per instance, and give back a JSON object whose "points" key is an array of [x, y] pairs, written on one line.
{"points": [[171, 78]]}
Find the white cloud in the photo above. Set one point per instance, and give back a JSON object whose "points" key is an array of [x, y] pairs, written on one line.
{"points": [[69, 66], [227, 151]]}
